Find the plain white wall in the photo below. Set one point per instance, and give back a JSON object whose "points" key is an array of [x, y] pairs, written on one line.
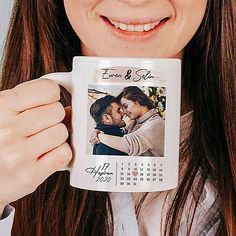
{"points": [[5, 11]]}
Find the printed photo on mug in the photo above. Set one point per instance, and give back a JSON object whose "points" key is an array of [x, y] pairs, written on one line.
{"points": [[129, 120]]}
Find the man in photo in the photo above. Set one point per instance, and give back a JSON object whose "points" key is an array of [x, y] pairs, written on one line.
{"points": [[108, 115]]}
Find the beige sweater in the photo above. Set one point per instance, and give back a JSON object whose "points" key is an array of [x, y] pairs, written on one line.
{"points": [[145, 136]]}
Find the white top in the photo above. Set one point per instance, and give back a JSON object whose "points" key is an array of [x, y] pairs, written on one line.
{"points": [[151, 219], [7, 221]]}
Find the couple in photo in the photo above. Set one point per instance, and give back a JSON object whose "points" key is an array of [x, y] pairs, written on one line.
{"points": [[142, 136]]}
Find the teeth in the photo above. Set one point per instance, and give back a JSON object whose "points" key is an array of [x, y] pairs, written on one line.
{"points": [[122, 26], [147, 27], [130, 28], [135, 28], [138, 28]]}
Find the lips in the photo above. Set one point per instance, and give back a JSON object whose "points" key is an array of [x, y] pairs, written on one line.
{"points": [[134, 30]]}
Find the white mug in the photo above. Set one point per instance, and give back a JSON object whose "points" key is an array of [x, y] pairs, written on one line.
{"points": [[151, 158]]}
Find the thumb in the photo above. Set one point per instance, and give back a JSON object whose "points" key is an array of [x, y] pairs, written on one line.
{"points": [[67, 119]]}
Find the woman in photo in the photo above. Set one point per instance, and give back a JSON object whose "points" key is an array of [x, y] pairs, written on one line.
{"points": [[43, 37], [145, 134]]}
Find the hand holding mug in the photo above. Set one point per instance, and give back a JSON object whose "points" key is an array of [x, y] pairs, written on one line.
{"points": [[32, 138]]}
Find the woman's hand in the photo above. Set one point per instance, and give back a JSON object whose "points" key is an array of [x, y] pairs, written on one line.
{"points": [[94, 137], [32, 138]]}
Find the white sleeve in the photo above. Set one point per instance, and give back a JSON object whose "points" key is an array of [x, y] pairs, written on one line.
{"points": [[206, 218], [125, 222], [7, 220]]}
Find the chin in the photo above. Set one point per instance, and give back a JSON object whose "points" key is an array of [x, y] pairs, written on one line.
{"points": [[135, 53], [115, 50]]}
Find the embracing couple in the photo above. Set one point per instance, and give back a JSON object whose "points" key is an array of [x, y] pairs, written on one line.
{"points": [[143, 136]]}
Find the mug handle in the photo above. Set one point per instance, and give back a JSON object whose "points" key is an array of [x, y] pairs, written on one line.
{"points": [[63, 79]]}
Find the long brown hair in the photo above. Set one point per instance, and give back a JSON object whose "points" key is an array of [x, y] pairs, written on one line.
{"points": [[135, 94], [209, 84], [36, 46]]}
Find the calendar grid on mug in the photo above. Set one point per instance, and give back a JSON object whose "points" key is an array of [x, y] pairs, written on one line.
{"points": [[133, 173]]}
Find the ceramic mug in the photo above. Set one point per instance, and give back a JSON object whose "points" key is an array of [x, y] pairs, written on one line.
{"points": [[150, 137]]}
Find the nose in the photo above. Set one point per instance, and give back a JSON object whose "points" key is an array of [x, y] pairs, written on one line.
{"points": [[136, 3], [125, 112]]}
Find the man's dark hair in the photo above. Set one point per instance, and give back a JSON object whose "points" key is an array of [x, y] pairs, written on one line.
{"points": [[100, 107], [135, 94]]}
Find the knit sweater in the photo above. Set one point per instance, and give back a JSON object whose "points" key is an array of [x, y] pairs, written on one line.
{"points": [[145, 136]]}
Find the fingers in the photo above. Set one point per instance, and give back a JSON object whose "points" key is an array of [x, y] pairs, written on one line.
{"points": [[30, 94], [54, 160], [46, 140], [67, 118], [25, 179], [32, 137], [36, 119]]}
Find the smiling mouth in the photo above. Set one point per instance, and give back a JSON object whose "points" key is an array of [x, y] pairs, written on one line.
{"points": [[134, 29]]}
